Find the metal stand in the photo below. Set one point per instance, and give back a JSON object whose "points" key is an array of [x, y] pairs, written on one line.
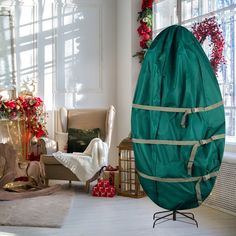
{"points": [[188, 215]]}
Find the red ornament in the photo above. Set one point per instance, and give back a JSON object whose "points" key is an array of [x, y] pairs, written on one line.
{"points": [[143, 44], [142, 29], [147, 4], [210, 28], [146, 37]]}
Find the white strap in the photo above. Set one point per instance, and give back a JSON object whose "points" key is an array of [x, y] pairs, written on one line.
{"points": [[199, 179], [178, 180], [165, 142], [178, 109], [196, 146], [186, 110], [178, 142], [198, 191]]}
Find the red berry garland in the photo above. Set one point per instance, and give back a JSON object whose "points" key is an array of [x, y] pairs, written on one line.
{"points": [[145, 28], [210, 27]]}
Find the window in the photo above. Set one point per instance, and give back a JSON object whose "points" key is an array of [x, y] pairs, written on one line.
{"points": [[7, 62], [188, 12]]}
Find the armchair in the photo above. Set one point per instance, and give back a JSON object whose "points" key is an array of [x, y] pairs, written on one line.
{"points": [[79, 119]]}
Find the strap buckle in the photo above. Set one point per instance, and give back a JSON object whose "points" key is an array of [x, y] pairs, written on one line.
{"points": [[213, 138], [194, 110], [206, 177], [203, 141]]}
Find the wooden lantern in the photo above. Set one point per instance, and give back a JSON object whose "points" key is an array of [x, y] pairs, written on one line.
{"points": [[129, 185]]}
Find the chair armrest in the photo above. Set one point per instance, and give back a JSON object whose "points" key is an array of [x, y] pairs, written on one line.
{"points": [[47, 145], [109, 124]]}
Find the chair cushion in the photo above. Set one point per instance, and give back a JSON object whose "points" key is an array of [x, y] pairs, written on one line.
{"points": [[79, 139]]}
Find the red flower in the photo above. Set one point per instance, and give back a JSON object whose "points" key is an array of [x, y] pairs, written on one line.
{"points": [[40, 133], [147, 4], [10, 104], [38, 102], [24, 104]]}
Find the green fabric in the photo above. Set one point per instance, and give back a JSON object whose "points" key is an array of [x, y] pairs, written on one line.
{"points": [[79, 139], [177, 73]]}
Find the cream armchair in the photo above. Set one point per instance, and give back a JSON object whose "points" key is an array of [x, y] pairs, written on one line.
{"points": [[79, 119]]}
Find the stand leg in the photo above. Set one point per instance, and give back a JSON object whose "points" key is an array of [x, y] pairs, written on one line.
{"points": [[174, 214], [188, 215]]}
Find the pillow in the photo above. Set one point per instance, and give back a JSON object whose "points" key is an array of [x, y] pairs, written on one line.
{"points": [[79, 139], [62, 141]]}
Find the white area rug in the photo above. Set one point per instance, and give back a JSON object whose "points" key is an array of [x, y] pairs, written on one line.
{"points": [[43, 211]]}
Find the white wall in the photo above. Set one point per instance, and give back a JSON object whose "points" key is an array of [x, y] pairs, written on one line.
{"points": [[124, 66], [136, 66], [127, 67], [85, 54]]}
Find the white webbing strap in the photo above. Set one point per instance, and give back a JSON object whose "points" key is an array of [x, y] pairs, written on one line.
{"points": [[198, 191], [177, 142], [162, 141], [196, 146], [195, 143], [186, 110], [178, 180], [197, 179], [198, 185], [192, 157]]}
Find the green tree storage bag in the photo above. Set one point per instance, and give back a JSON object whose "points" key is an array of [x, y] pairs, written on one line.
{"points": [[178, 124]]}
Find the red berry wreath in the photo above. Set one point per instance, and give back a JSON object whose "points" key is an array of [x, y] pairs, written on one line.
{"points": [[210, 28]]}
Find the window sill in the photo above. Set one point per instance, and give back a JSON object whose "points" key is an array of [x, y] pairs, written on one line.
{"points": [[230, 147], [229, 157]]}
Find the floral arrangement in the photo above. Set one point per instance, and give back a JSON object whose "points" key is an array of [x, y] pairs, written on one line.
{"points": [[145, 28], [210, 27], [30, 109]]}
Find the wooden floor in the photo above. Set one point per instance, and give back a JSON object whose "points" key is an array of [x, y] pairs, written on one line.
{"points": [[121, 216]]}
